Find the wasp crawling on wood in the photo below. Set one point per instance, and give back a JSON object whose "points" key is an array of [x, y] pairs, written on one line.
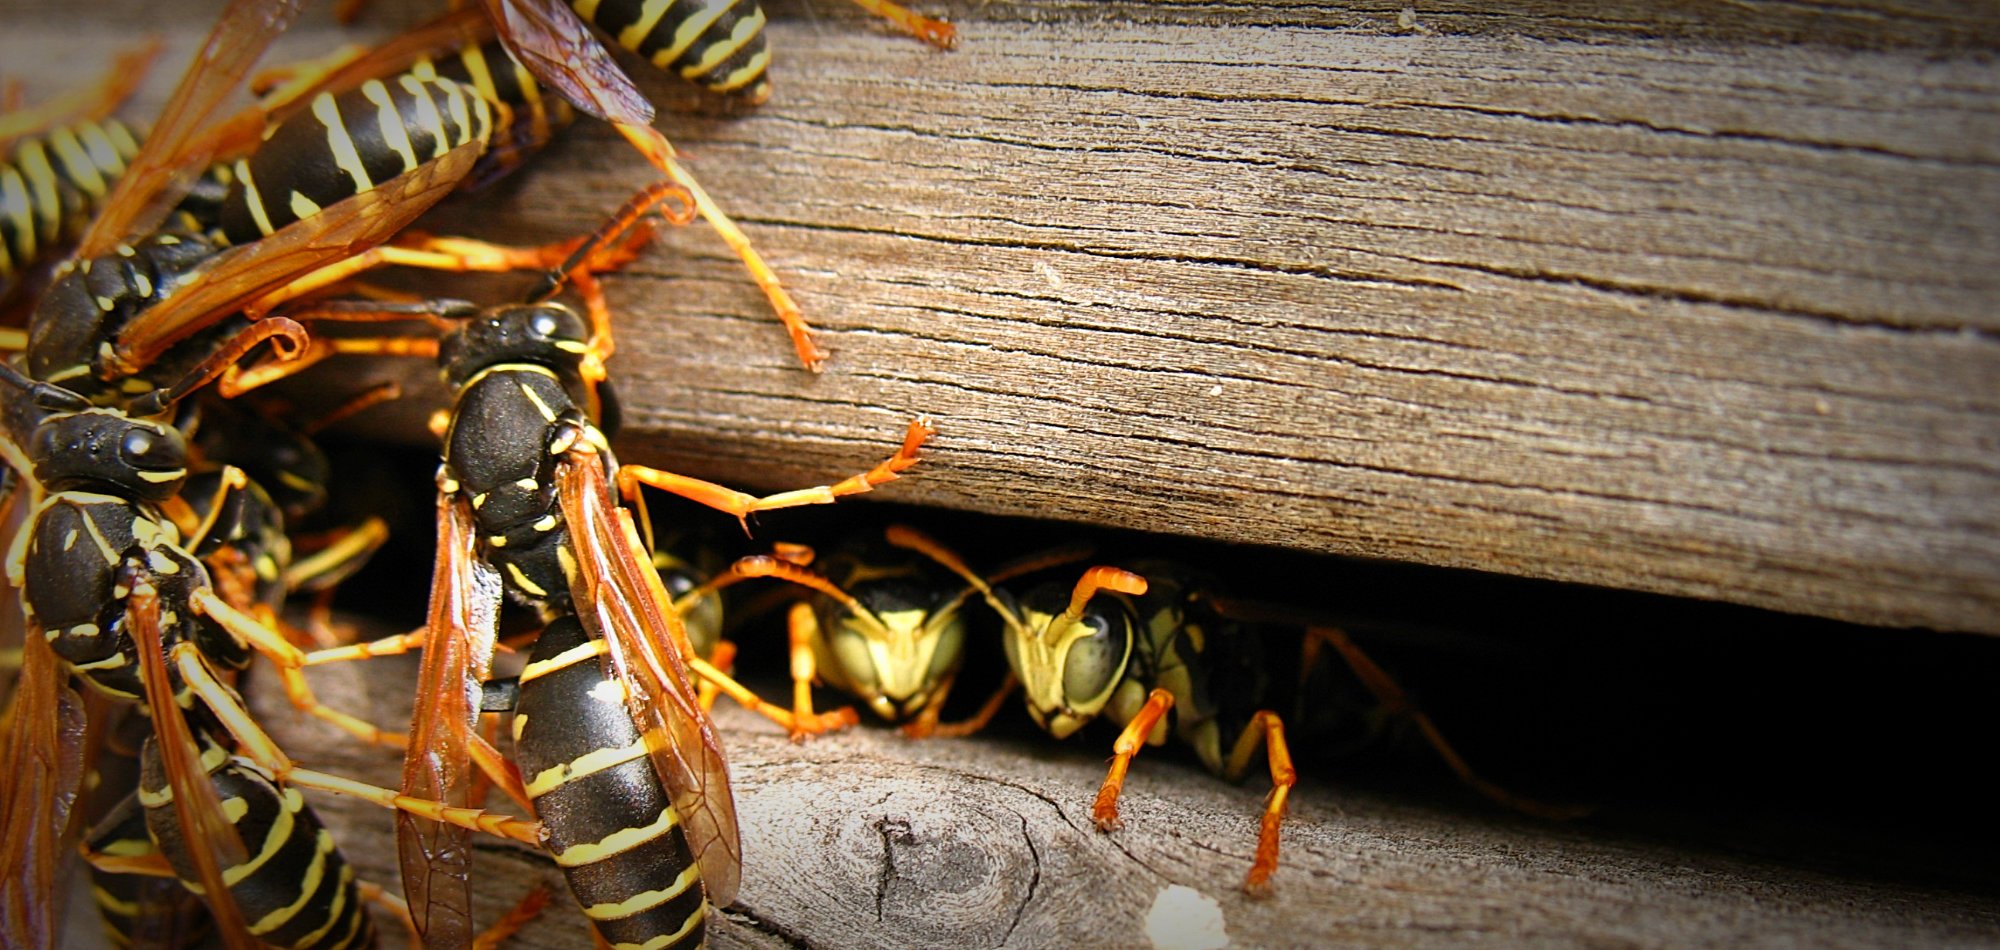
{"points": [[633, 797]]}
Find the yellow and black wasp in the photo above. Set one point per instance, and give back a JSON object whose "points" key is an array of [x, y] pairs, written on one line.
{"points": [[632, 796]]}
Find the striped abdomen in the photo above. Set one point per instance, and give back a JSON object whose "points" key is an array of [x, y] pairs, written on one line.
{"points": [[717, 44], [137, 909], [295, 890], [51, 186], [343, 145], [496, 76], [610, 824]]}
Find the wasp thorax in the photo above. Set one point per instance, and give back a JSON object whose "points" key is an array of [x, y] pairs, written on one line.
{"points": [[548, 334], [139, 459]]}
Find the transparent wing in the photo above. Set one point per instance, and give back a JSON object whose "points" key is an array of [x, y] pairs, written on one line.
{"points": [[465, 598], [559, 48], [177, 150], [619, 597]]}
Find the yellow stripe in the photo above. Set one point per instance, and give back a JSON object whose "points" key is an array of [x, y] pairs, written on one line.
{"points": [[460, 114], [749, 73], [668, 940], [548, 415], [649, 16], [252, 198], [569, 657], [390, 121], [476, 69], [717, 52], [33, 162], [333, 912], [589, 763], [645, 900], [127, 847], [345, 156], [427, 113], [14, 204], [521, 580], [281, 832], [81, 171], [690, 30], [618, 842], [103, 152], [121, 138], [308, 888], [303, 207], [112, 905]]}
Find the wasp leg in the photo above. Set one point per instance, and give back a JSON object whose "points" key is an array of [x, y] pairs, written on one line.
{"points": [[1265, 728], [630, 477], [394, 645], [395, 906], [1396, 702], [935, 32], [237, 379], [705, 691], [966, 727], [429, 253], [150, 863], [654, 146], [799, 728], [801, 628], [253, 742], [291, 663], [1105, 811], [529, 907]]}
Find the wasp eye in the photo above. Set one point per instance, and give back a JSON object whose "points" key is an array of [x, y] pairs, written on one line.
{"points": [[137, 445], [545, 326], [1094, 663]]}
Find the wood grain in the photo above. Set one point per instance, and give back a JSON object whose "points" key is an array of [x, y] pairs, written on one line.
{"points": [[1700, 305], [865, 839]]}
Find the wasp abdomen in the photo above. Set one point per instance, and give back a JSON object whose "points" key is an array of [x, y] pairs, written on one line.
{"points": [[52, 184], [296, 890], [343, 145], [610, 824], [718, 44]]}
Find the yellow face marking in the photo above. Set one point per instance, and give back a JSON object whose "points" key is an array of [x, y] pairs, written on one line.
{"points": [[390, 121], [684, 37], [746, 30], [589, 763], [253, 199], [345, 156], [617, 842], [428, 115]]}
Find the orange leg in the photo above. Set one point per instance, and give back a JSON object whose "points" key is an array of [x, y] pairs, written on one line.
{"points": [[966, 727], [724, 659], [799, 728], [654, 146], [238, 379], [1267, 729], [1105, 811], [527, 910], [630, 477], [1396, 702], [935, 32], [430, 253], [387, 646]]}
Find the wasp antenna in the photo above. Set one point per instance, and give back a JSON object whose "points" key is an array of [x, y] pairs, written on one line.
{"points": [[1097, 578], [287, 338]]}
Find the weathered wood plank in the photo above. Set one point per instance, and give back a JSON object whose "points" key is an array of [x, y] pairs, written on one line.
{"points": [[865, 839], [1586, 296]]}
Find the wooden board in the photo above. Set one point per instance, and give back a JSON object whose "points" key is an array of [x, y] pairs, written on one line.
{"points": [[1702, 305], [865, 839]]}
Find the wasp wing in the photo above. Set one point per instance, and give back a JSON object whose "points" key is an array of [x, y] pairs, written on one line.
{"points": [[559, 48], [44, 762], [619, 597], [440, 35], [242, 274], [465, 598], [176, 151], [210, 838]]}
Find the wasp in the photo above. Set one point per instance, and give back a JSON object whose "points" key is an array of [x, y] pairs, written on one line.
{"points": [[61, 159], [632, 797], [718, 44], [888, 625]]}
